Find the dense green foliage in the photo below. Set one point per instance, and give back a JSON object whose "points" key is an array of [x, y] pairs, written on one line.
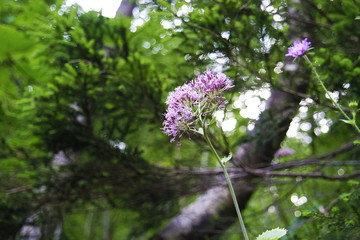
{"points": [[82, 98]]}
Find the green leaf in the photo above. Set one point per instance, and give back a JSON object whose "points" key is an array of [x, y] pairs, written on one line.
{"points": [[109, 105], [273, 234], [353, 104], [14, 43], [357, 142], [353, 182], [200, 131], [351, 122], [345, 196], [213, 120], [224, 160]]}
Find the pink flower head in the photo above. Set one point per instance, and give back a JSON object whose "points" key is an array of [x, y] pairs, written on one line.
{"points": [[211, 83], [298, 48], [180, 115], [192, 100]]}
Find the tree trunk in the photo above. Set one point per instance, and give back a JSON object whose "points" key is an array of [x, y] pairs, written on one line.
{"points": [[125, 9], [106, 225]]}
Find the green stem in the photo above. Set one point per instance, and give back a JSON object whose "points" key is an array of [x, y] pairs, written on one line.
{"points": [[327, 92], [232, 192]]}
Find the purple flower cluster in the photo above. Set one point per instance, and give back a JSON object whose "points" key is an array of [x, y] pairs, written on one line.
{"points": [[189, 102], [298, 48]]}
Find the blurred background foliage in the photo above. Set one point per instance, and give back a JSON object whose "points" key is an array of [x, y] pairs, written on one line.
{"points": [[82, 155]]}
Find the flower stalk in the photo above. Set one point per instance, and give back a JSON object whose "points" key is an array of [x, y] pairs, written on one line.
{"points": [[232, 192], [348, 119]]}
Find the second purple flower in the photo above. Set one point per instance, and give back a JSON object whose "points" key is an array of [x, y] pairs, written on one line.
{"points": [[298, 48]]}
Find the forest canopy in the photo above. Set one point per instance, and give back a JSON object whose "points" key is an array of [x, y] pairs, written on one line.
{"points": [[83, 154]]}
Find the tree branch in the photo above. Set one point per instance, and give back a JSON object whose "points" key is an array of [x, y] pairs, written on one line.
{"points": [[264, 173], [294, 163]]}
